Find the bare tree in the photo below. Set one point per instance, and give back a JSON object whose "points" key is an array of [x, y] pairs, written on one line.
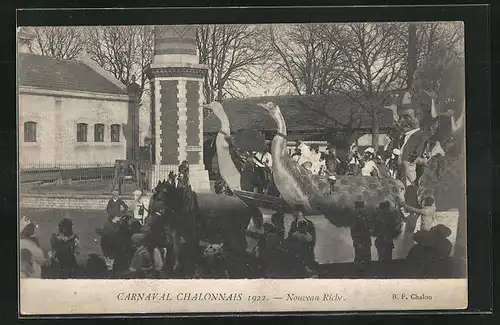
{"points": [[57, 42], [124, 51], [375, 66], [234, 54], [303, 60]]}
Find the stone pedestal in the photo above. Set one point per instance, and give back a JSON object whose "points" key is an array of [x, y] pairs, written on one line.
{"points": [[176, 82]]}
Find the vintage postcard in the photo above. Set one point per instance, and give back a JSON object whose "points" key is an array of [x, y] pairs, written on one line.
{"points": [[242, 168]]}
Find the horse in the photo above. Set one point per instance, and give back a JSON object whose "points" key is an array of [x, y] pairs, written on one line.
{"points": [[174, 215], [200, 218]]}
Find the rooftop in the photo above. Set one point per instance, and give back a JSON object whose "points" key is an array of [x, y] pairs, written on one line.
{"points": [[301, 113], [57, 74]]}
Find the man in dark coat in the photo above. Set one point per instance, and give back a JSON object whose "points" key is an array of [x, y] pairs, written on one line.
{"points": [[302, 236], [116, 207], [360, 235], [387, 229]]}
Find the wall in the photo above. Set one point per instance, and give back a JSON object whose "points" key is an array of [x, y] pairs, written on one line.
{"points": [[39, 109], [72, 202], [57, 117]]}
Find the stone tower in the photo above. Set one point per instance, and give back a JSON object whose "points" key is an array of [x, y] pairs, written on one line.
{"points": [[176, 80]]}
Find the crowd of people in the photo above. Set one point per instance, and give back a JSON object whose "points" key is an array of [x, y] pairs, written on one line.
{"points": [[269, 248], [60, 262]]}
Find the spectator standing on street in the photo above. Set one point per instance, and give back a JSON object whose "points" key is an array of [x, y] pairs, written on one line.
{"points": [[116, 207], [33, 258], [387, 229], [65, 244], [255, 236], [120, 176], [302, 240], [360, 235]]}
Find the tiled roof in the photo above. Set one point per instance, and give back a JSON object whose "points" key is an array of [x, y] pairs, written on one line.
{"points": [[55, 74], [301, 113]]}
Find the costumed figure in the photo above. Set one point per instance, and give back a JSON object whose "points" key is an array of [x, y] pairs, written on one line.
{"points": [[369, 165]]}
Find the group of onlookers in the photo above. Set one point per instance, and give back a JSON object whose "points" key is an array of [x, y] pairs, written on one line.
{"points": [[369, 163], [271, 249], [59, 262]]}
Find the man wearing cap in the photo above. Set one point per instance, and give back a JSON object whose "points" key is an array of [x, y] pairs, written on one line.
{"points": [[140, 206], [116, 207], [360, 235]]}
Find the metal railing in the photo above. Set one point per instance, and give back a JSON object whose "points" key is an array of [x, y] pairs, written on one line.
{"points": [[52, 172]]}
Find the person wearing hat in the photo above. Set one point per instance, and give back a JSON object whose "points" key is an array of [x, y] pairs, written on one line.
{"points": [[387, 229], [431, 247], [116, 207], [29, 242], [302, 237], [360, 234], [140, 206], [394, 164], [370, 166], [65, 244]]}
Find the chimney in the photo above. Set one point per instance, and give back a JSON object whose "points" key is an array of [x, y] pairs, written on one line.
{"points": [[24, 39]]}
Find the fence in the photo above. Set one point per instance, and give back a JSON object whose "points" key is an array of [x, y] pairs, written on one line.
{"points": [[50, 172]]}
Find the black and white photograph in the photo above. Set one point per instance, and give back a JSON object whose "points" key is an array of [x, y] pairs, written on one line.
{"points": [[249, 152]]}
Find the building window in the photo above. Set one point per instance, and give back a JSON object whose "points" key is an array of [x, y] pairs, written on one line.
{"points": [[115, 133], [29, 131], [81, 132], [98, 132]]}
